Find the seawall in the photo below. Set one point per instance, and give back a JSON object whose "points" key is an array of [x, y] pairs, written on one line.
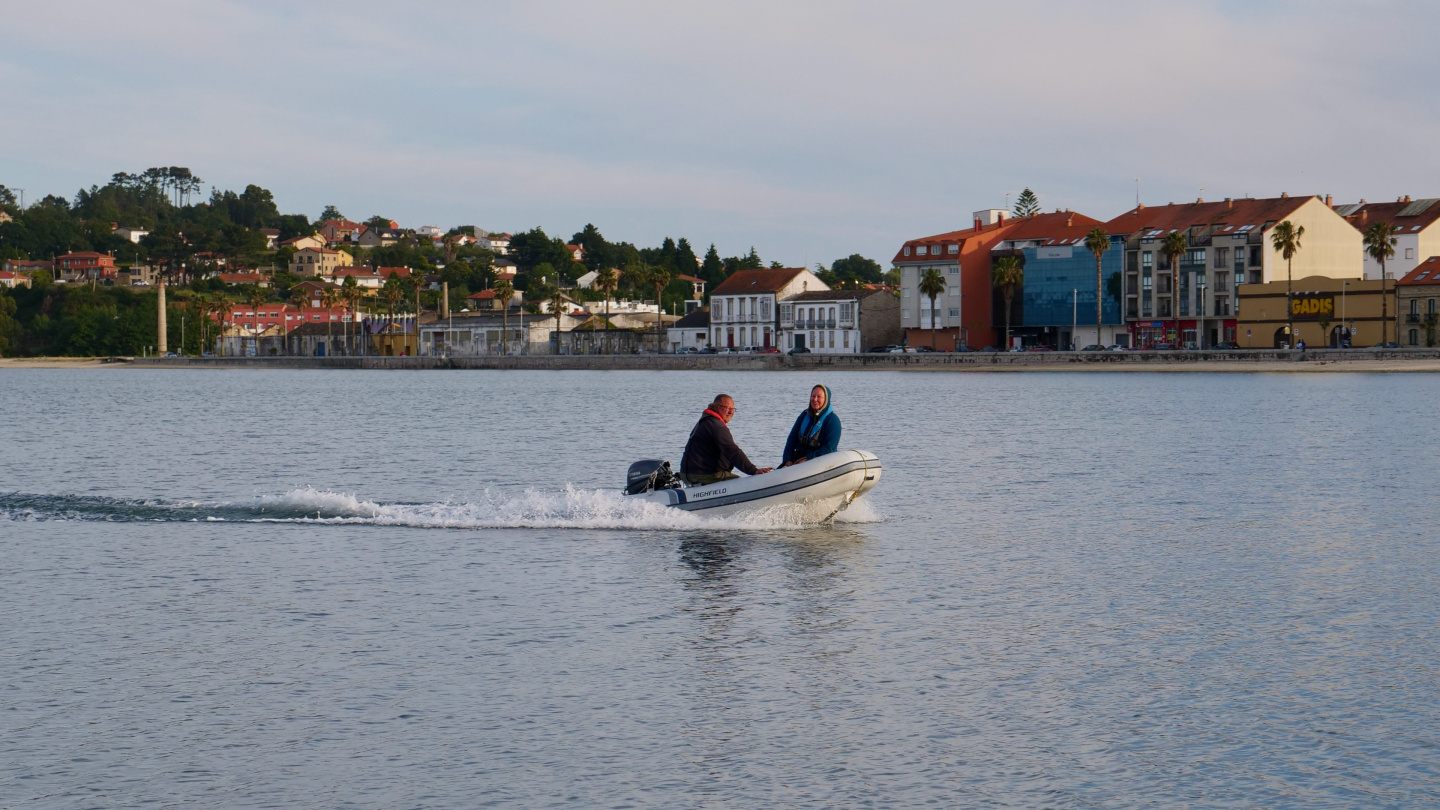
{"points": [[1255, 360]]}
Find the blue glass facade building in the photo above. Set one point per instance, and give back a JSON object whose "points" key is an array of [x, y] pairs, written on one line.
{"points": [[1059, 288]]}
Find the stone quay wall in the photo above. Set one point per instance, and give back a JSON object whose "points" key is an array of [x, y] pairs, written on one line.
{"points": [[1259, 359]]}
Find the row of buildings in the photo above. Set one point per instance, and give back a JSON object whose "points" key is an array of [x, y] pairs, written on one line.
{"points": [[1227, 276]]}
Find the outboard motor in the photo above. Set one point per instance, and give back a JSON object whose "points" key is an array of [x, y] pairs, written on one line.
{"points": [[650, 474]]}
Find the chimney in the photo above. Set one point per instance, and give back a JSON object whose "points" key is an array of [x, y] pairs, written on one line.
{"points": [[1407, 198], [1001, 220], [1329, 201], [1069, 221], [445, 299], [1284, 195], [1229, 204], [977, 223], [1199, 200], [1140, 206]]}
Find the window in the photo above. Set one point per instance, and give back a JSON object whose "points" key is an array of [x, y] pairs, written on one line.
{"points": [[1195, 256], [905, 292], [1414, 306], [954, 291], [1222, 281], [905, 313], [1414, 337], [1147, 284], [1430, 308], [922, 250], [1222, 256], [954, 313], [785, 312], [955, 270], [953, 249], [832, 340], [1409, 253], [907, 250], [1164, 307], [1255, 258], [1145, 311], [846, 335], [1147, 261]]}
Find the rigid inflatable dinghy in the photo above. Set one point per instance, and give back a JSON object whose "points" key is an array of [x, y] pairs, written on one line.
{"points": [[818, 488]]}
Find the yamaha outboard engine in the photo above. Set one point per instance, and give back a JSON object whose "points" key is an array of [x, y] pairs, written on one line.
{"points": [[650, 474]]}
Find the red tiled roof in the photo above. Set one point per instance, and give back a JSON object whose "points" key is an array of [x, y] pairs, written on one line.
{"points": [[358, 272], [691, 279], [242, 278], [1186, 215], [1426, 272], [81, 254], [1370, 213], [483, 294], [757, 281], [1058, 226], [386, 272], [945, 239]]}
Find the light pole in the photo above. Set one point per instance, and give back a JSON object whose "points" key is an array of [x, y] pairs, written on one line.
{"points": [[1343, 286], [1199, 313], [1074, 317]]}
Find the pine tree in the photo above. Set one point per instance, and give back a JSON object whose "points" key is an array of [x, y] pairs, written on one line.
{"points": [[1027, 204], [713, 269]]}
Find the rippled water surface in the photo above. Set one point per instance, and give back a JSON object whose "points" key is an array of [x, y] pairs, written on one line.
{"points": [[420, 589]]}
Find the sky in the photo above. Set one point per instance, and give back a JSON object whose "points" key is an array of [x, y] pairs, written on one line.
{"points": [[809, 130]]}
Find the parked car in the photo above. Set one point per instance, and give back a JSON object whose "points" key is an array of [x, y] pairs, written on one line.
{"points": [[709, 350], [924, 348], [728, 350], [902, 350], [687, 350], [1116, 347], [1226, 346], [765, 350], [1039, 349], [989, 349], [877, 350], [963, 348], [799, 350], [1093, 347]]}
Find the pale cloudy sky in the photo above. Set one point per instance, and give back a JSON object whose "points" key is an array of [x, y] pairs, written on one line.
{"points": [[811, 130]]}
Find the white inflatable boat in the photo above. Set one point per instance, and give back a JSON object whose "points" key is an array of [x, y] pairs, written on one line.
{"points": [[818, 488]]}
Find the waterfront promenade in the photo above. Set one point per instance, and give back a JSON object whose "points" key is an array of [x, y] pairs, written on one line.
{"points": [[1251, 360]]}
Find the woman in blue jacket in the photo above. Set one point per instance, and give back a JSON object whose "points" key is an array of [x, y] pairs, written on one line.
{"points": [[816, 431]]}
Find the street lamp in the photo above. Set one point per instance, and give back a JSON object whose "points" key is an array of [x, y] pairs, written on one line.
{"points": [[1199, 304], [1346, 326]]}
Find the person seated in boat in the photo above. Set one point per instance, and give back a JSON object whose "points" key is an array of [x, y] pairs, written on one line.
{"points": [[711, 452], [816, 431]]}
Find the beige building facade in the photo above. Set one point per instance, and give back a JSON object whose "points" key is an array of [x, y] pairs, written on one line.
{"points": [[1328, 311], [319, 262]]}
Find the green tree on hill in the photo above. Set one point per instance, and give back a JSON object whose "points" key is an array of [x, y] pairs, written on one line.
{"points": [[1027, 204]]}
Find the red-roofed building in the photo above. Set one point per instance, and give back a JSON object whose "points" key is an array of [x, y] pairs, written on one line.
{"points": [[319, 262], [11, 280], [366, 278], [744, 311], [1416, 235], [1229, 244], [86, 266], [1416, 313], [386, 272], [964, 315], [340, 230]]}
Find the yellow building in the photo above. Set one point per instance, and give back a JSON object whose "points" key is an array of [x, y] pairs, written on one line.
{"points": [[317, 262], [1326, 311]]}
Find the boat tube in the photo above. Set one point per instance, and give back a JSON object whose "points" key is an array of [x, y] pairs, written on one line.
{"points": [[819, 488]]}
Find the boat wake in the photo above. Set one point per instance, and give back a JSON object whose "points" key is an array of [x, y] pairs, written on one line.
{"points": [[570, 508]]}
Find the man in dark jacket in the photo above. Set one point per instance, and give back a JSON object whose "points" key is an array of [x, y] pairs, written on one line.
{"points": [[711, 453]]}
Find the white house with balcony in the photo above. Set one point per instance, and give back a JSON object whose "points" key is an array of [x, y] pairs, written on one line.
{"points": [[840, 321], [743, 308]]}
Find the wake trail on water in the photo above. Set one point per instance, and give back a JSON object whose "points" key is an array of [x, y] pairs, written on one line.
{"points": [[570, 508]]}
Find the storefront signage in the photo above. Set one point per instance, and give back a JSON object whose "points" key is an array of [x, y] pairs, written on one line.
{"points": [[1313, 306]]}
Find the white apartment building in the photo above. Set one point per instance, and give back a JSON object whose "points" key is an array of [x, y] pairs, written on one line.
{"points": [[1417, 237], [840, 321], [743, 307]]}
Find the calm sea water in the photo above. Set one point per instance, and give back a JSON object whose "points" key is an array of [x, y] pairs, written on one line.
{"points": [[420, 589]]}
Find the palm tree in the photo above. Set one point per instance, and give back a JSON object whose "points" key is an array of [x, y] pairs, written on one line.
{"points": [[350, 292], [392, 295], [1286, 239], [659, 278], [223, 307], [329, 297], [557, 307], [417, 279], [539, 292], [299, 299], [1097, 242], [932, 284], [1172, 248], [1007, 275], [606, 281], [1380, 244], [504, 291], [255, 298]]}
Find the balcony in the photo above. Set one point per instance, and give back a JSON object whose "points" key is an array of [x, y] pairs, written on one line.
{"points": [[1413, 317]]}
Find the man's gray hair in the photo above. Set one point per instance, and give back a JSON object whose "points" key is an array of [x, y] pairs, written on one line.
{"points": [[720, 399]]}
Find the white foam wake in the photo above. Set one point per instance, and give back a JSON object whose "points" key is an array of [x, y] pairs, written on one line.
{"points": [[568, 509]]}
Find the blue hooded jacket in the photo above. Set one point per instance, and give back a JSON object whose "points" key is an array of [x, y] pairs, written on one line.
{"points": [[822, 428]]}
